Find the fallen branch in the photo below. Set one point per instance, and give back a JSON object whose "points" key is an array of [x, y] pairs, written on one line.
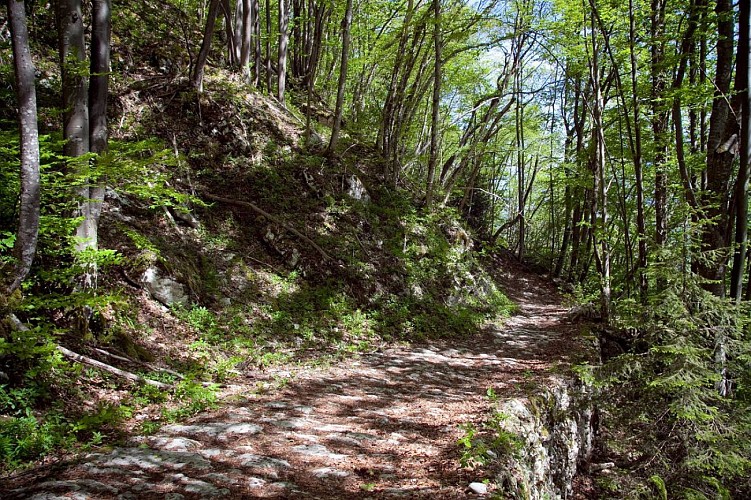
{"points": [[18, 325], [140, 363], [110, 369], [271, 218]]}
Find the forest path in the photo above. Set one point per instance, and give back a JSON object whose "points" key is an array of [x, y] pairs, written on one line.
{"points": [[381, 426]]}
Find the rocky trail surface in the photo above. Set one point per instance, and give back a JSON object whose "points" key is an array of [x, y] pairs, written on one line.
{"points": [[384, 425]]}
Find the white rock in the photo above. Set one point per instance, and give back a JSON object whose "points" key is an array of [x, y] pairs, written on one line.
{"points": [[479, 488], [165, 290]]}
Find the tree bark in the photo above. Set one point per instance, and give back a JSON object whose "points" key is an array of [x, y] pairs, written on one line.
{"points": [[268, 46], [229, 32], [282, 52], [203, 54], [346, 24], [74, 87], [722, 127], [599, 196], [641, 227], [743, 87], [24, 247], [246, 40], [256, 20], [659, 118], [98, 136], [436, 105]]}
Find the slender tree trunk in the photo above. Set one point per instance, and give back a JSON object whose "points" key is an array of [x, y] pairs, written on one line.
{"points": [[256, 19], [74, 85], [238, 31], [599, 196], [203, 54], [436, 105], [98, 137], [520, 167], [268, 47], [282, 53], [229, 32], [246, 40], [641, 227], [565, 242], [743, 86], [659, 119], [24, 248], [346, 24], [297, 38]]}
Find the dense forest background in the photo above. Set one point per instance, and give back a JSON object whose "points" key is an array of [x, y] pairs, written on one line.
{"points": [[605, 143]]}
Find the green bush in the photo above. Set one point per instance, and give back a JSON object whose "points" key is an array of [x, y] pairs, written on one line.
{"points": [[665, 392]]}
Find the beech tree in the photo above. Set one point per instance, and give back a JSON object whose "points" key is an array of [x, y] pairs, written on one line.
{"points": [[84, 96], [24, 247], [346, 23], [282, 49]]}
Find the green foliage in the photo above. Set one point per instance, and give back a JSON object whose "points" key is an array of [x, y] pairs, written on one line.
{"points": [[480, 447], [191, 397], [667, 391]]}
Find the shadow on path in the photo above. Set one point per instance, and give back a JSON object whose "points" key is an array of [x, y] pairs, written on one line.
{"points": [[382, 426]]}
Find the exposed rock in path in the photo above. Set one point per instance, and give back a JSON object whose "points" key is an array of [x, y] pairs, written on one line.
{"points": [[385, 425]]}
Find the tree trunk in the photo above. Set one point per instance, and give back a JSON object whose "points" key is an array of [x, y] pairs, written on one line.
{"points": [[230, 33], [436, 105], [246, 40], [238, 31], [641, 228], [256, 19], [722, 127], [659, 119], [346, 24], [282, 53], [743, 86], [74, 88], [520, 167], [24, 247], [203, 54], [268, 46], [98, 137], [599, 205]]}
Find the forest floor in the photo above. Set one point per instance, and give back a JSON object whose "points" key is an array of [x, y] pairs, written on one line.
{"points": [[382, 425]]}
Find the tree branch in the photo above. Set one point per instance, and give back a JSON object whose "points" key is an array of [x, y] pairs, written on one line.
{"points": [[261, 211]]}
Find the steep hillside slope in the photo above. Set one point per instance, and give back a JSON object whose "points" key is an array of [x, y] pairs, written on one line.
{"points": [[228, 246]]}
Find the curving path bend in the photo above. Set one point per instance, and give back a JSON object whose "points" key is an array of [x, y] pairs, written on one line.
{"points": [[382, 426]]}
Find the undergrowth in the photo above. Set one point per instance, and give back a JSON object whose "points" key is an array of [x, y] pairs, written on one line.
{"points": [[411, 276], [688, 439]]}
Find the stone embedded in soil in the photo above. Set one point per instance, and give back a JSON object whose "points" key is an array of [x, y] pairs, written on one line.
{"points": [[278, 405], [152, 459], [52, 496], [175, 444], [256, 482], [292, 423], [317, 450], [326, 472], [217, 477], [261, 462], [216, 430], [333, 428], [479, 488], [216, 452]]}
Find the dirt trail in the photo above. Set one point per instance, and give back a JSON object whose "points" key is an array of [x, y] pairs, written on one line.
{"points": [[382, 426]]}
